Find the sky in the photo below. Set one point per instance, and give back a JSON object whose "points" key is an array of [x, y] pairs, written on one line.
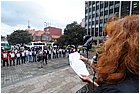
{"points": [[40, 13]]}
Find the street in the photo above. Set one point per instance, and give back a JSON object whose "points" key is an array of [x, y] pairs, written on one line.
{"points": [[55, 77]]}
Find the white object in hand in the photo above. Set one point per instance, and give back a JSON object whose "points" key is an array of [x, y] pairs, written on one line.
{"points": [[78, 65]]}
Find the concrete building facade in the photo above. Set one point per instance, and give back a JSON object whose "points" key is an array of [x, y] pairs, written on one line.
{"points": [[97, 12]]}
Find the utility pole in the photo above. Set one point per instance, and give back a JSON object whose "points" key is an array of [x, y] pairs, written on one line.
{"points": [[29, 24]]}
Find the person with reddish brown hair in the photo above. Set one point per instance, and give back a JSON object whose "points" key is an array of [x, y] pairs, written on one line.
{"points": [[117, 68]]}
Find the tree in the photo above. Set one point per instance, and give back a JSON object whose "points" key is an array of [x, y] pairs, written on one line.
{"points": [[19, 37], [73, 35]]}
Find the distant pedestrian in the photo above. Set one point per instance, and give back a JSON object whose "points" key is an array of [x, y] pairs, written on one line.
{"points": [[64, 53], [57, 53], [4, 57], [40, 58], [30, 56], [54, 53], [26, 56], [45, 56], [23, 57], [34, 55], [18, 56], [12, 57], [50, 52], [60, 52]]}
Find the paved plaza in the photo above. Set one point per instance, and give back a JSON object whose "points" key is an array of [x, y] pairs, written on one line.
{"points": [[55, 77]]}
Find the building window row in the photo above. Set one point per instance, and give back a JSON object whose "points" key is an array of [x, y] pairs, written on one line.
{"points": [[98, 12]]}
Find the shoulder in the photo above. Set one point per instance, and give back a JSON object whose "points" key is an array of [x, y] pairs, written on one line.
{"points": [[126, 86], [107, 89]]}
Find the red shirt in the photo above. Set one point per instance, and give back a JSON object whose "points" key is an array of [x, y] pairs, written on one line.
{"points": [[12, 55], [4, 55]]}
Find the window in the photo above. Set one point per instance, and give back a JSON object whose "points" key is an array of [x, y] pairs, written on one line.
{"points": [[106, 3], [96, 21], [101, 2], [93, 2], [101, 21], [97, 2], [111, 3], [110, 11], [88, 32], [117, 2], [96, 32], [106, 12], [89, 23], [89, 3], [93, 22], [135, 7], [92, 32], [101, 6], [125, 9], [89, 16], [101, 13], [97, 7], [93, 8], [97, 15], [89, 9], [116, 9], [93, 15]]}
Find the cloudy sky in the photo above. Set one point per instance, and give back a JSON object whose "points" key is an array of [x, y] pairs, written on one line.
{"points": [[58, 13]]}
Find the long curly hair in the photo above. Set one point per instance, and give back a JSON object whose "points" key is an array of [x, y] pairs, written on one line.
{"points": [[121, 51]]}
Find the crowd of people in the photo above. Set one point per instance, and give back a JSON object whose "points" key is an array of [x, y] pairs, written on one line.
{"points": [[24, 55]]}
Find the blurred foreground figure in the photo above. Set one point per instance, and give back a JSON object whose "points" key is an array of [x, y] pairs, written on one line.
{"points": [[117, 68]]}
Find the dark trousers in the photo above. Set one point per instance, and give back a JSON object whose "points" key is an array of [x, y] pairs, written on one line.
{"points": [[23, 59], [45, 60], [49, 56], [18, 60], [34, 58], [13, 60], [4, 61]]}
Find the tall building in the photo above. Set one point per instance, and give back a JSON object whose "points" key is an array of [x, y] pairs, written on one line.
{"points": [[97, 12]]}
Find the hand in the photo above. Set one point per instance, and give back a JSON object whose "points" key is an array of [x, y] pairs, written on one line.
{"points": [[86, 79], [89, 80], [83, 58]]}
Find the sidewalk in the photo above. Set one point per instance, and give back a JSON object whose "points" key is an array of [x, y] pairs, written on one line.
{"points": [[56, 77], [61, 81]]}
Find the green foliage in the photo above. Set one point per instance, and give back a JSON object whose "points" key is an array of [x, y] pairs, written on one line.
{"points": [[73, 35], [20, 37]]}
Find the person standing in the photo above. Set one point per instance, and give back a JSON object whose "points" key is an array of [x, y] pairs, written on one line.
{"points": [[30, 56], [12, 57], [50, 53], [60, 52], [40, 58], [23, 56], [64, 53], [45, 56], [18, 56], [34, 55], [27, 55], [4, 57]]}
